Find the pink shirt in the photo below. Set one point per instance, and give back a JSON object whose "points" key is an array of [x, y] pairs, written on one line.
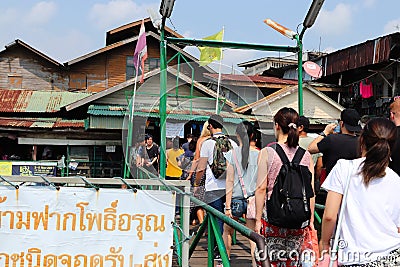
{"points": [[275, 163]]}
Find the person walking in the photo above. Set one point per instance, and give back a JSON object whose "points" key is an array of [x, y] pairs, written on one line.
{"points": [[304, 141], [188, 152], [241, 161], [338, 146], [370, 229], [215, 186], [343, 145], [173, 171], [198, 189], [283, 244], [151, 155]]}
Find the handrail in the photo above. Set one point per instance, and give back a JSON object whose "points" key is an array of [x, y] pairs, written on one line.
{"points": [[250, 234]]}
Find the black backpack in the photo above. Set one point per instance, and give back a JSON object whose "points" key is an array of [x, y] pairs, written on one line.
{"points": [[289, 204]]}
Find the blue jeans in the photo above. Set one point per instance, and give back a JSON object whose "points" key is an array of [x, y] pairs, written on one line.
{"points": [[216, 199]]}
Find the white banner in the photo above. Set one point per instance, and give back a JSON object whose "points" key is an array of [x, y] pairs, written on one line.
{"points": [[175, 129], [82, 227]]}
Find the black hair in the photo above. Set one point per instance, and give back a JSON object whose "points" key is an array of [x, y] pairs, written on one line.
{"points": [[377, 140], [148, 136], [192, 144], [247, 132], [285, 117], [305, 122], [175, 142]]}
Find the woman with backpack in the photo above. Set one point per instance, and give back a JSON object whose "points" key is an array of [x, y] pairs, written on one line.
{"points": [[283, 243], [241, 164], [370, 226]]}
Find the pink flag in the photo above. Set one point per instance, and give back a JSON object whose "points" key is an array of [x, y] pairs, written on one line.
{"points": [[140, 51]]}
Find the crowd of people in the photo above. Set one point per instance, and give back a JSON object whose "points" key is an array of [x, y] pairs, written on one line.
{"points": [[365, 154]]}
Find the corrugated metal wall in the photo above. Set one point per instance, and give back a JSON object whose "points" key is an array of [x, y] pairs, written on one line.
{"points": [[368, 53]]}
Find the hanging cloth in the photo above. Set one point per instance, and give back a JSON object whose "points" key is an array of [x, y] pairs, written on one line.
{"points": [[366, 89]]}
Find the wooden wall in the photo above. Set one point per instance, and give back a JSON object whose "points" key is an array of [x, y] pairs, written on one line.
{"points": [[21, 69], [107, 69]]}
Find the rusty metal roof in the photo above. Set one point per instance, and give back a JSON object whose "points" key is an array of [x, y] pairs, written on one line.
{"points": [[174, 114], [252, 79], [37, 101], [375, 51], [40, 123]]}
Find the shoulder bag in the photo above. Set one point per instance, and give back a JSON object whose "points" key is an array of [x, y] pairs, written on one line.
{"points": [[251, 200]]}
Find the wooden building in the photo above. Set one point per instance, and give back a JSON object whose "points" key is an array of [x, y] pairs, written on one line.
{"points": [[104, 80], [24, 67]]}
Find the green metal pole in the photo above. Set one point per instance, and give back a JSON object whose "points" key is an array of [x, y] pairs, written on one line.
{"points": [[163, 100], [128, 141], [300, 74], [232, 45]]}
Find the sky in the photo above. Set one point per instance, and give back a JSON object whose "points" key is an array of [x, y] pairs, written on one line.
{"points": [[65, 30]]}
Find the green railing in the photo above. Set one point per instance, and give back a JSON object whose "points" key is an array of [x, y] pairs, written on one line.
{"points": [[210, 224]]}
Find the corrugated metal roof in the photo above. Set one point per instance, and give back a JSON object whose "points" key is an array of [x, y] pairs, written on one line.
{"points": [[360, 55], [107, 110], [174, 114], [252, 78], [37, 101], [40, 123]]}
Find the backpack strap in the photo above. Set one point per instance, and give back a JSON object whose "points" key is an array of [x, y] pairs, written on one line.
{"points": [[298, 156], [285, 160], [281, 153]]}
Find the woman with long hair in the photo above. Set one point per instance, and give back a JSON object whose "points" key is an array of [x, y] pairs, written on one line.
{"points": [[283, 244], [198, 190], [241, 159], [370, 229]]}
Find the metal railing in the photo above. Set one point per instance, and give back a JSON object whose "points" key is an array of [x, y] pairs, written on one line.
{"points": [[181, 231]]}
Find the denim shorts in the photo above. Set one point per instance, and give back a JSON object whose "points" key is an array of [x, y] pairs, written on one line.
{"points": [[238, 207]]}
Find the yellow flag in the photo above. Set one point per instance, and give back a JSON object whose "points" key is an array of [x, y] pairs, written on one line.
{"points": [[210, 54]]}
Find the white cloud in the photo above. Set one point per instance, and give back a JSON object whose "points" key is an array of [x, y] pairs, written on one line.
{"points": [[187, 34], [41, 13], [116, 12], [335, 22], [392, 26]]}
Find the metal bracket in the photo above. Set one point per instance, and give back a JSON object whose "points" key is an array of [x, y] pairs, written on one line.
{"points": [[50, 183], [8, 182], [89, 183], [125, 183]]}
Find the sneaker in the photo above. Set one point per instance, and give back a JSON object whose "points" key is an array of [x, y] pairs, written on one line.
{"points": [[217, 256], [219, 263]]}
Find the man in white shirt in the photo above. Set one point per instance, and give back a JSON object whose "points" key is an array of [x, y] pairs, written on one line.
{"points": [[215, 188]]}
